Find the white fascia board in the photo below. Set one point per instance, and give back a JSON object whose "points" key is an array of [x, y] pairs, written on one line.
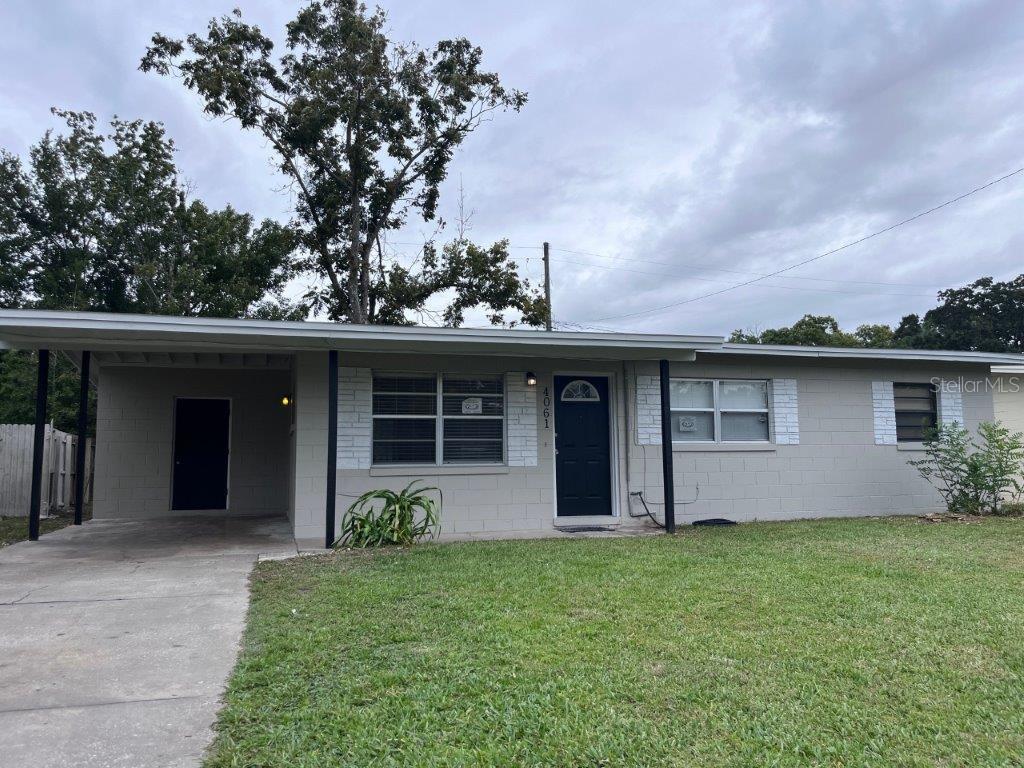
{"points": [[858, 353], [87, 330]]}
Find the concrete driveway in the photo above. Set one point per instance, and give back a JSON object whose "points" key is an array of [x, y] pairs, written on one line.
{"points": [[116, 638]]}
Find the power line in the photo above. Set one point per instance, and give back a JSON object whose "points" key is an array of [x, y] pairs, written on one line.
{"points": [[431, 240], [713, 280], [890, 228], [708, 267], [690, 266]]}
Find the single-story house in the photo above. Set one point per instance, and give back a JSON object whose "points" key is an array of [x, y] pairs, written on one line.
{"points": [[525, 432]]}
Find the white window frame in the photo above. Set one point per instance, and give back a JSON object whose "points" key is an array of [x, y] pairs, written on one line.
{"points": [[439, 417], [716, 410]]}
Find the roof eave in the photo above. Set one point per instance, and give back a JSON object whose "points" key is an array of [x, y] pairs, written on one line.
{"points": [[78, 331], [860, 353]]}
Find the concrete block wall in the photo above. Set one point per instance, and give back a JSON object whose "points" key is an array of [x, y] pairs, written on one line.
{"points": [[517, 499], [837, 469], [479, 503], [1008, 393], [134, 445]]}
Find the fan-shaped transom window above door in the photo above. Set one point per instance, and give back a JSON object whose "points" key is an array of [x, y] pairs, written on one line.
{"points": [[580, 391]]}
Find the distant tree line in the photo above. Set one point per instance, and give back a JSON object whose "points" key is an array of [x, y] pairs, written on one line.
{"points": [[985, 316]]}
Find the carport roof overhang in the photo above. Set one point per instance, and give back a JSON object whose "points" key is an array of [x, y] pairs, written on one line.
{"points": [[98, 332]]}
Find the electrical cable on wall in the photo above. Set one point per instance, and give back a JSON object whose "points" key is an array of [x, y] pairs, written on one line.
{"points": [[647, 510]]}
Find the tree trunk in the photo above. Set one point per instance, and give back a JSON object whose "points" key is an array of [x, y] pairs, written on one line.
{"points": [[355, 306]]}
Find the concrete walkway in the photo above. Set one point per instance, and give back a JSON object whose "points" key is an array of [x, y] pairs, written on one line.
{"points": [[116, 638]]}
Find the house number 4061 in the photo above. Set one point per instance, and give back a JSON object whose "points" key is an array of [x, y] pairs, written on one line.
{"points": [[547, 408]]}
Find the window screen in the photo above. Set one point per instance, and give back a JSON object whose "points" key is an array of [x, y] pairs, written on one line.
{"points": [[726, 410], [404, 419], [473, 419], [438, 419], [916, 411]]}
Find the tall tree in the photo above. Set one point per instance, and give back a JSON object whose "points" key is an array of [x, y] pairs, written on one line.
{"points": [[103, 222], [987, 316], [364, 129]]}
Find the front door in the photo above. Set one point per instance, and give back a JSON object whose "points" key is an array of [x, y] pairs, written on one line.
{"points": [[583, 474], [201, 443]]}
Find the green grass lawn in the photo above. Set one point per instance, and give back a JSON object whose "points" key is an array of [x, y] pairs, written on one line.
{"points": [[15, 529], [852, 643]]}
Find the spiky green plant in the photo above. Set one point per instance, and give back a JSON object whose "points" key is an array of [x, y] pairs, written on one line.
{"points": [[384, 517]]}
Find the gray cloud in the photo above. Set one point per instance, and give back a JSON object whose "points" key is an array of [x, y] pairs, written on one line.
{"points": [[697, 143]]}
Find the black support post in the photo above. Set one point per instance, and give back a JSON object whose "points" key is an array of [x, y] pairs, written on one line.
{"points": [[83, 425], [666, 450], [42, 381], [332, 445]]}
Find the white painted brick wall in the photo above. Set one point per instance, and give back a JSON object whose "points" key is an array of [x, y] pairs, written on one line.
{"points": [[884, 406], [521, 420], [951, 403], [355, 420], [648, 410], [785, 412]]}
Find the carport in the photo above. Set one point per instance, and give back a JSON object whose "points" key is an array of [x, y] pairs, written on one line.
{"points": [[182, 430]]}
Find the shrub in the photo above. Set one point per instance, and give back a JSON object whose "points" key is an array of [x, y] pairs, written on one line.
{"points": [[975, 478], [1011, 509], [383, 517]]}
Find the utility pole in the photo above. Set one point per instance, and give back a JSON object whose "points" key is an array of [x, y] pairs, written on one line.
{"points": [[547, 281]]}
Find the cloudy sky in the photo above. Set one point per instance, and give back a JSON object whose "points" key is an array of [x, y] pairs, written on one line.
{"points": [[669, 149]]}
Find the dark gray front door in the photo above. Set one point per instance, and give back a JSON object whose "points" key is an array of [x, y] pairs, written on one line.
{"points": [[201, 444], [583, 474]]}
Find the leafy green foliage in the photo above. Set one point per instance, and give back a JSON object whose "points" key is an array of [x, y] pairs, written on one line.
{"points": [[384, 517], [973, 476], [1011, 509], [882, 643], [102, 222], [18, 391], [818, 331], [985, 316], [364, 129]]}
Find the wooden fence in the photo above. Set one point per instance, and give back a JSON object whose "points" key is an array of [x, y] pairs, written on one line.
{"points": [[58, 470]]}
